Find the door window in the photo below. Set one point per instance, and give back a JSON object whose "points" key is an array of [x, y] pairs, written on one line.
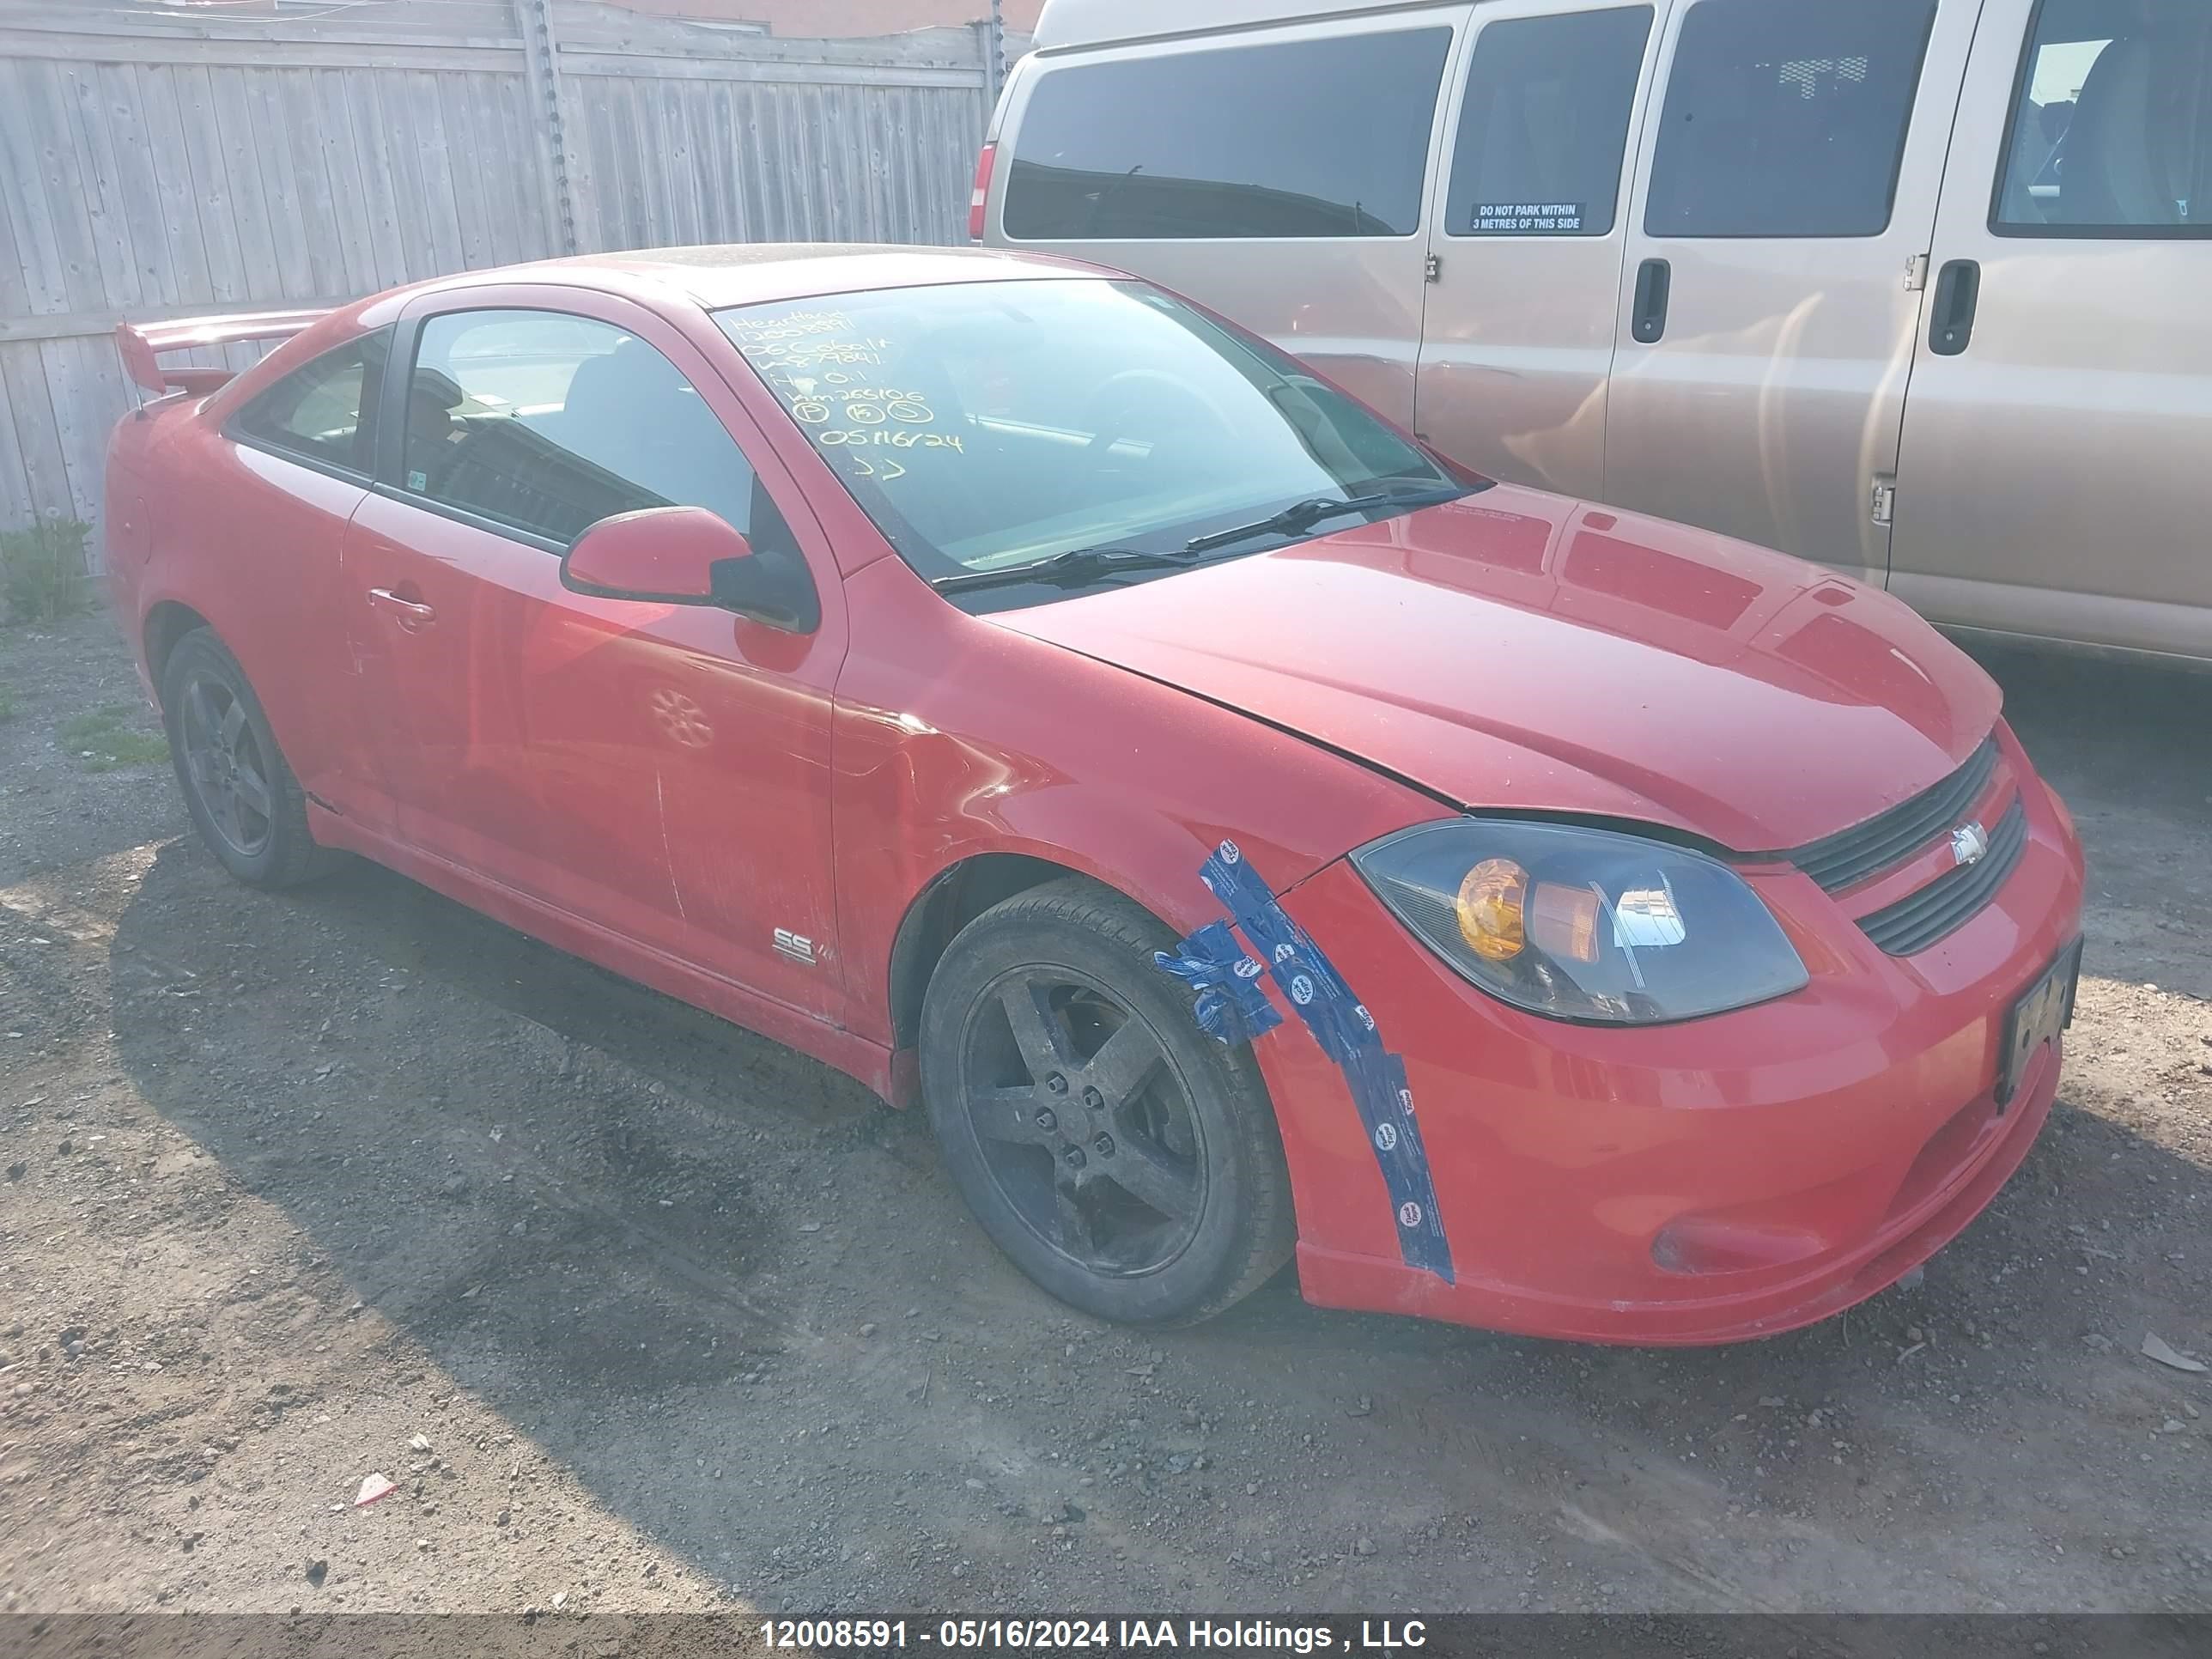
{"points": [[546, 424], [1544, 125], [2111, 127], [1292, 138], [324, 411], [1787, 118]]}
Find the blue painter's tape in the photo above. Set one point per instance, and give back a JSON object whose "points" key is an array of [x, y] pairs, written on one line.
{"points": [[1347, 1033], [1231, 1007]]}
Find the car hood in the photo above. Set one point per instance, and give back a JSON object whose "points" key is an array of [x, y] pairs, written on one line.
{"points": [[1512, 650]]}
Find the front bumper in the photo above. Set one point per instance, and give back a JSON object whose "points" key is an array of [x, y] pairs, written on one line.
{"points": [[1724, 1178]]}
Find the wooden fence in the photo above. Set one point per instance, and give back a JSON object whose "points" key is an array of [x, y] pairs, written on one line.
{"points": [[163, 163]]}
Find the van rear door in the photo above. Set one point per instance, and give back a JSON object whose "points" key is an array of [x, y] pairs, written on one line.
{"points": [[1786, 195], [1527, 230], [2056, 428], [1278, 174]]}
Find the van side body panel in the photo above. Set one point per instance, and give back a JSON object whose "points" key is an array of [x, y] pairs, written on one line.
{"points": [[2032, 484], [2047, 486], [1518, 347]]}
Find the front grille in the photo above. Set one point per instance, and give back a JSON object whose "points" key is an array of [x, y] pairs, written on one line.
{"points": [[1949, 902], [1849, 856]]}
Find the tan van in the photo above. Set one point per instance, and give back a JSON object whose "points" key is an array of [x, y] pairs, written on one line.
{"points": [[1919, 288]]}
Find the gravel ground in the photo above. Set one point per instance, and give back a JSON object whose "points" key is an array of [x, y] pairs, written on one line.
{"points": [[641, 1313]]}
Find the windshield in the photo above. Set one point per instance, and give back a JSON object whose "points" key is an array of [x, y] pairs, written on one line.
{"points": [[989, 426]]}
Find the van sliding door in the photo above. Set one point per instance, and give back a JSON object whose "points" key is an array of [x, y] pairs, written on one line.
{"points": [[1527, 230], [1786, 195]]}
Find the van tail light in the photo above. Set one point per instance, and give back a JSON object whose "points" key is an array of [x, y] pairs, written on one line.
{"points": [[984, 163]]}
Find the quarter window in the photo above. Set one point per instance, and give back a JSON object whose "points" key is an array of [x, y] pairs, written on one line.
{"points": [[1787, 118], [1544, 125], [549, 422], [1305, 138], [2111, 130], [324, 411]]}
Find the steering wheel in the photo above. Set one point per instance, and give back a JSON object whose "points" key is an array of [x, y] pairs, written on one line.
{"points": [[1146, 402]]}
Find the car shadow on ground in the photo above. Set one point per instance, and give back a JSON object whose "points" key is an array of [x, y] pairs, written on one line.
{"points": [[660, 1246]]}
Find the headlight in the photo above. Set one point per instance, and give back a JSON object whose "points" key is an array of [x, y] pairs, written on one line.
{"points": [[1583, 924]]}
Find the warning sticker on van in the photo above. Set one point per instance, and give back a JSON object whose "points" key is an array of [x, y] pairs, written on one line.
{"points": [[1527, 219]]}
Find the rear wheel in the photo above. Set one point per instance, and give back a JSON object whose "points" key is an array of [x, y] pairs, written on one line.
{"points": [[246, 804], [1125, 1160]]}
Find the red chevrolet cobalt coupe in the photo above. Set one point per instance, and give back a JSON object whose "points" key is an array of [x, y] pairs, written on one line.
{"points": [[1245, 831]]}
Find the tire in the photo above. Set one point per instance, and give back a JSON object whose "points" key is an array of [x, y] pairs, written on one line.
{"points": [[243, 798], [1160, 1200]]}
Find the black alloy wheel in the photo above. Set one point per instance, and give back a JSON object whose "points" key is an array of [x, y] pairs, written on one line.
{"points": [[241, 793], [1123, 1159], [1083, 1124], [224, 766]]}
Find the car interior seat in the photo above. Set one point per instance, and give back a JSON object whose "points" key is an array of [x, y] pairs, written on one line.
{"points": [[2135, 154], [432, 399], [2032, 148], [631, 411]]}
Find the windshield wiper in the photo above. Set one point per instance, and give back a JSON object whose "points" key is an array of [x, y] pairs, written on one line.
{"points": [[1301, 516], [1082, 564], [1086, 564]]}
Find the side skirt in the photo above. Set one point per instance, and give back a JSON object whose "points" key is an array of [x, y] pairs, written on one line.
{"points": [[867, 1062]]}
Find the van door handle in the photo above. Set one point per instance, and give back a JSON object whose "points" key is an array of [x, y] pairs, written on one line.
{"points": [[1648, 322], [1951, 321]]}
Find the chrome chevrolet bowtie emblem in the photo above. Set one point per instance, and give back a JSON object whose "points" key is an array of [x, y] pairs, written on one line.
{"points": [[1970, 843]]}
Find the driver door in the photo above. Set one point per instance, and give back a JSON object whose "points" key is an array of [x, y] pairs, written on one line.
{"points": [[659, 771]]}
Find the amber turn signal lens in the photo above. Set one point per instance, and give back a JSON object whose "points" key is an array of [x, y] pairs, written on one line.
{"points": [[1490, 896], [1563, 921]]}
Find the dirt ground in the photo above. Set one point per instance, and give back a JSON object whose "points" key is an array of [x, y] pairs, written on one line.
{"points": [[642, 1313]]}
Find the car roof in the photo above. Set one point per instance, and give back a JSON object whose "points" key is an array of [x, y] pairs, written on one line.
{"points": [[752, 273]]}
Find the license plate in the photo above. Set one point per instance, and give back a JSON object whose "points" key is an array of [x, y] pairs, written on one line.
{"points": [[2044, 1009]]}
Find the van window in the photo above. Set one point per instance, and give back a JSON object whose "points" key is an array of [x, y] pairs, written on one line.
{"points": [[1325, 138], [1787, 118], [324, 410], [2111, 130], [1544, 124]]}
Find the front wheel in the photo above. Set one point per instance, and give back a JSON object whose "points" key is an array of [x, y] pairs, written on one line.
{"points": [[244, 800], [1125, 1160]]}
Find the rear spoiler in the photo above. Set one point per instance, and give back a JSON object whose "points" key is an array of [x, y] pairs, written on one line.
{"points": [[142, 343]]}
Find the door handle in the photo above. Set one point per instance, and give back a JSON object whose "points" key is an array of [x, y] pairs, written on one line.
{"points": [[1648, 322], [1951, 320], [411, 613]]}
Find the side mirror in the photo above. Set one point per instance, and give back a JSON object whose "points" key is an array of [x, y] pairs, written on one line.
{"points": [[688, 556], [666, 555]]}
